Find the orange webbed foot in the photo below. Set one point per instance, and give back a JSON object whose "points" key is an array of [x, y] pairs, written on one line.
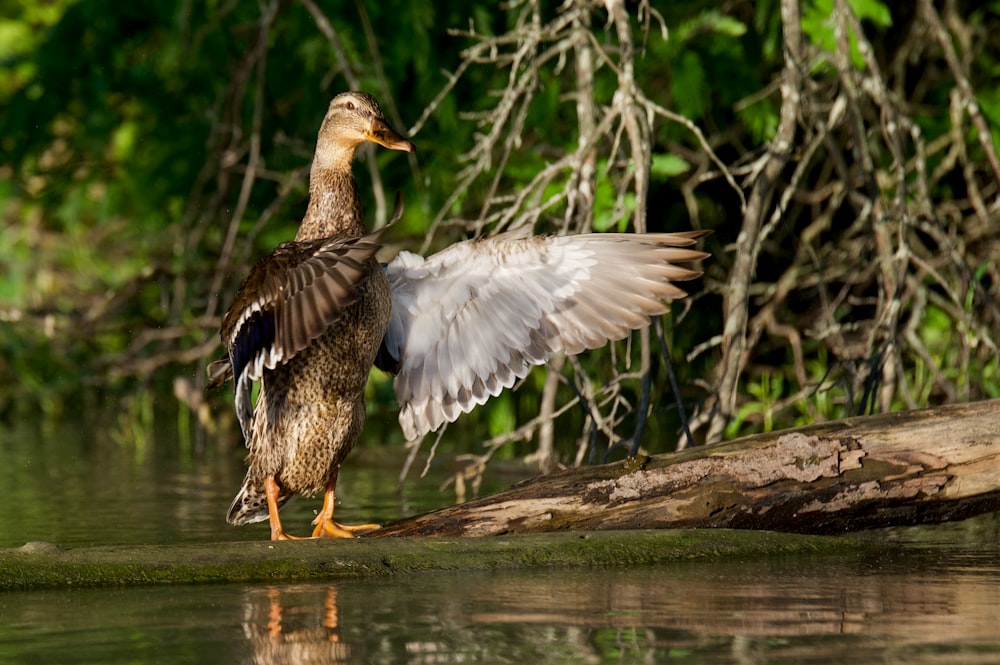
{"points": [[327, 528]]}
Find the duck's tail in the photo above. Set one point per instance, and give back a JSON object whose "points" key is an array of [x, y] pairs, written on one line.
{"points": [[250, 504]]}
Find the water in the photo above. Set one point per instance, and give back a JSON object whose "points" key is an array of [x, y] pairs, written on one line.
{"points": [[926, 608], [86, 484], [932, 595]]}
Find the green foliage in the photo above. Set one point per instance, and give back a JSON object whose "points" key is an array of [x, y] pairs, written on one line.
{"points": [[818, 24], [126, 132], [611, 213], [111, 136], [501, 416], [766, 393], [775, 398], [668, 166], [942, 340], [708, 66]]}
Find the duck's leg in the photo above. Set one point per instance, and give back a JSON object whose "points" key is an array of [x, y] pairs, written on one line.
{"points": [[326, 527], [272, 490]]}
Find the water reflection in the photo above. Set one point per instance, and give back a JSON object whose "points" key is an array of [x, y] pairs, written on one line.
{"points": [[830, 610], [910, 604], [294, 624]]}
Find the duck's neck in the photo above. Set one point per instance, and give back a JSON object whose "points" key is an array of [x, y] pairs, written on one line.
{"points": [[334, 204]]}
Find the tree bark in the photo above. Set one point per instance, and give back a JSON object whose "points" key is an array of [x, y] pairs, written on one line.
{"points": [[915, 467]]}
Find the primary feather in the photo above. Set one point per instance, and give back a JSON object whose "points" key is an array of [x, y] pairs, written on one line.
{"points": [[472, 319]]}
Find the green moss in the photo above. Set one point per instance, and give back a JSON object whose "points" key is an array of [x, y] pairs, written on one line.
{"points": [[35, 568]]}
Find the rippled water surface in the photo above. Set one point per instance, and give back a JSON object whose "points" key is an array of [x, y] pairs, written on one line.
{"points": [[79, 485], [929, 595]]}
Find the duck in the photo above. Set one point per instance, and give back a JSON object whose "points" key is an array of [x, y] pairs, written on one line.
{"points": [[307, 323], [456, 328]]}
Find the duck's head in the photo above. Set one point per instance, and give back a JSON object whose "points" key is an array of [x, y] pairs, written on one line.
{"points": [[352, 119]]}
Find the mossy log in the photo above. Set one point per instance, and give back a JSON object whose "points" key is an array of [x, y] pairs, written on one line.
{"points": [[44, 565], [914, 467]]}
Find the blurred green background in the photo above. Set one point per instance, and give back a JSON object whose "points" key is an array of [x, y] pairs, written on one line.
{"points": [[126, 132]]}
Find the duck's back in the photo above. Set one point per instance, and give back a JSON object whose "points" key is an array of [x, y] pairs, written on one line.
{"points": [[313, 405]]}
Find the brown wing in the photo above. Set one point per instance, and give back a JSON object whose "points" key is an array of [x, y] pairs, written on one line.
{"points": [[290, 297]]}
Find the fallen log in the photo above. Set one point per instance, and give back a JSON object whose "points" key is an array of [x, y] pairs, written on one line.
{"points": [[915, 467]]}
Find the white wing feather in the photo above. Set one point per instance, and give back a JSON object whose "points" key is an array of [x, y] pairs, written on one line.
{"points": [[474, 318]]}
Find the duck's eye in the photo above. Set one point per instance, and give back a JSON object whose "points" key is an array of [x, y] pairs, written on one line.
{"points": [[349, 106]]}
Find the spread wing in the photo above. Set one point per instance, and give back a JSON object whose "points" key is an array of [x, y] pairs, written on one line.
{"points": [[472, 319], [289, 298]]}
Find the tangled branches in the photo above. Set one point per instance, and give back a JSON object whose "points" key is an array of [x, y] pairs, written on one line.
{"points": [[861, 276], [885, 238]]}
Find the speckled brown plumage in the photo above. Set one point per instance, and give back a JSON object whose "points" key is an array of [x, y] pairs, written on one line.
{"points": [[307, 324], [311, 410]]}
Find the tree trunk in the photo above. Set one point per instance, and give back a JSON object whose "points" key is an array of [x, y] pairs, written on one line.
{"points": [[915, 467]]}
